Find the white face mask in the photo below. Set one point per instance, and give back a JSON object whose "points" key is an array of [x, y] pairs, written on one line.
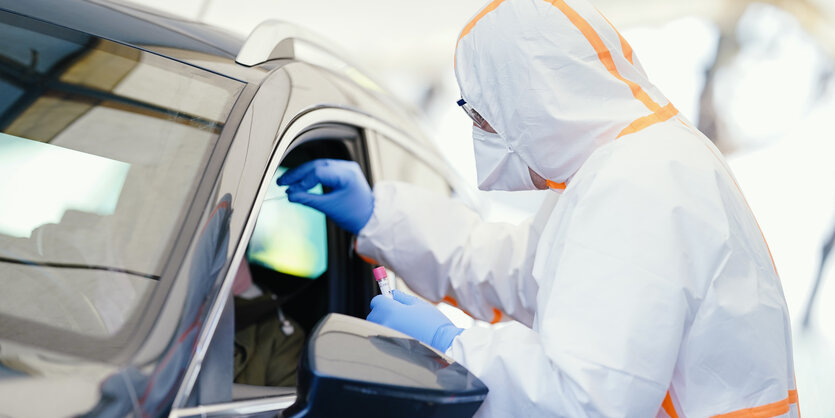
{"points": [[497, 166]]}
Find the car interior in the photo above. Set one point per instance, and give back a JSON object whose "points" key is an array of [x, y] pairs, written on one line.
{"points": [[304, 262]]}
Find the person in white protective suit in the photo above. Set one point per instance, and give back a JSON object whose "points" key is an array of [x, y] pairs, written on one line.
{"points": [[643, 287]]}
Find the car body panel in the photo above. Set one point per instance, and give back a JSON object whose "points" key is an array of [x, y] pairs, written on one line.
{"points": [[162, 361]]}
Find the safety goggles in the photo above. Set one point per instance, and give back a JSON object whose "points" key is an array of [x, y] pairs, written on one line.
{"points": [[477, 119]]}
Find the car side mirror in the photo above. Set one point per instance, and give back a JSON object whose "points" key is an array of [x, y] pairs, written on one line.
{"points": [[355, 368]]}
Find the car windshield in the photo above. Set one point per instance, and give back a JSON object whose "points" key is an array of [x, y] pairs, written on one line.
{"points": [[101, 149]]}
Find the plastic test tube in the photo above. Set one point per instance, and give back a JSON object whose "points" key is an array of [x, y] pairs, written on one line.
{"points": [[382, 280]]}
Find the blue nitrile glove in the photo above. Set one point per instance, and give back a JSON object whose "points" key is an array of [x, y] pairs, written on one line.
{"points": [[414, 317], [349, 203]]}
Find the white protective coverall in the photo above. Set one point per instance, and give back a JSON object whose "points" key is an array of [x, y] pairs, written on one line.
{"points": [[645, 289]]}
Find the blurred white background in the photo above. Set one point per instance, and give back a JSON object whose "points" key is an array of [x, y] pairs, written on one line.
{"points": [[754, 76]]}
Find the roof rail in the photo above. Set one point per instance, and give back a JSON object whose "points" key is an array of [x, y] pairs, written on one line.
{"points": [[275, 39]]}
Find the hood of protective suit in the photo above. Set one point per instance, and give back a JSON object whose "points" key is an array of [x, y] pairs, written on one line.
{"points": [[556, 81]]}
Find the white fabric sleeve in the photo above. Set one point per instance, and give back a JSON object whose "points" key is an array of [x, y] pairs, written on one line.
{"points": [[442, 248]]}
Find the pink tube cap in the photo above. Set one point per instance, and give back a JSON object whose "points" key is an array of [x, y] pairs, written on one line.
{"points": [[380, 273]]}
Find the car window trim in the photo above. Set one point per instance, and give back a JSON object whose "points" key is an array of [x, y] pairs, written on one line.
{"points": [[287, 137], [237, 408], [287, 140]]}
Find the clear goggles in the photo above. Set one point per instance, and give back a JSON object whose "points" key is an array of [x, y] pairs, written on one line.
{"points": [[477, 119]]}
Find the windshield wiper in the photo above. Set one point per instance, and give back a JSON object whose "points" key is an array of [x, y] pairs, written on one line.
{"points": [[77, 266]]}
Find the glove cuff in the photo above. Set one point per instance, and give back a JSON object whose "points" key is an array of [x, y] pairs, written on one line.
{"points": [[443, 337], [363, 221]]}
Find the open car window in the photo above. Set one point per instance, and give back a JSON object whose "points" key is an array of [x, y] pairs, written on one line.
{"points": [[301, 266]]}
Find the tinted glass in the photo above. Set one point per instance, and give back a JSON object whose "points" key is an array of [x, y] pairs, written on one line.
{"points": [[289, 237], [398, 164], [101, 149]]}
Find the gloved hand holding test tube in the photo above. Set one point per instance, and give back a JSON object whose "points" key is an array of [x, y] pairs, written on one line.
{"points": [[381, 277]]}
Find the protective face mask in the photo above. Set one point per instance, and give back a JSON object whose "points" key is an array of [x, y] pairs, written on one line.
{"points": [[497, 166]]}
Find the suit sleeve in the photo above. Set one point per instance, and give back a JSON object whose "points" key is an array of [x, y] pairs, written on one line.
{"points": [[442, 248]]}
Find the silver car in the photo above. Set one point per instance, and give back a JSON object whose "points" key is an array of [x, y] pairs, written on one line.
{"points": [[139, 158]]}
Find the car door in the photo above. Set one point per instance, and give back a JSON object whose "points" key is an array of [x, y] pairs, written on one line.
{"points": [[331, 277], [310, 276]]}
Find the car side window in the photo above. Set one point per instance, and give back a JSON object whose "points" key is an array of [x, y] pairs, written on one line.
{"points": [[298, 267], [391, 161]]}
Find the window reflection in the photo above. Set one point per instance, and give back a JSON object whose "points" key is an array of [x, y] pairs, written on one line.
{"points": [[46, 181], [289, 238], [101, 149]]}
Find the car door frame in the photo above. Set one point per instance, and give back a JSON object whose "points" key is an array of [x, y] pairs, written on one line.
{"points": [[287, 141]]}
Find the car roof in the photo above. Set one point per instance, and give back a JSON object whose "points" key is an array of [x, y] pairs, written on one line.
{"points": [[129, 24], [177, 39]]}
